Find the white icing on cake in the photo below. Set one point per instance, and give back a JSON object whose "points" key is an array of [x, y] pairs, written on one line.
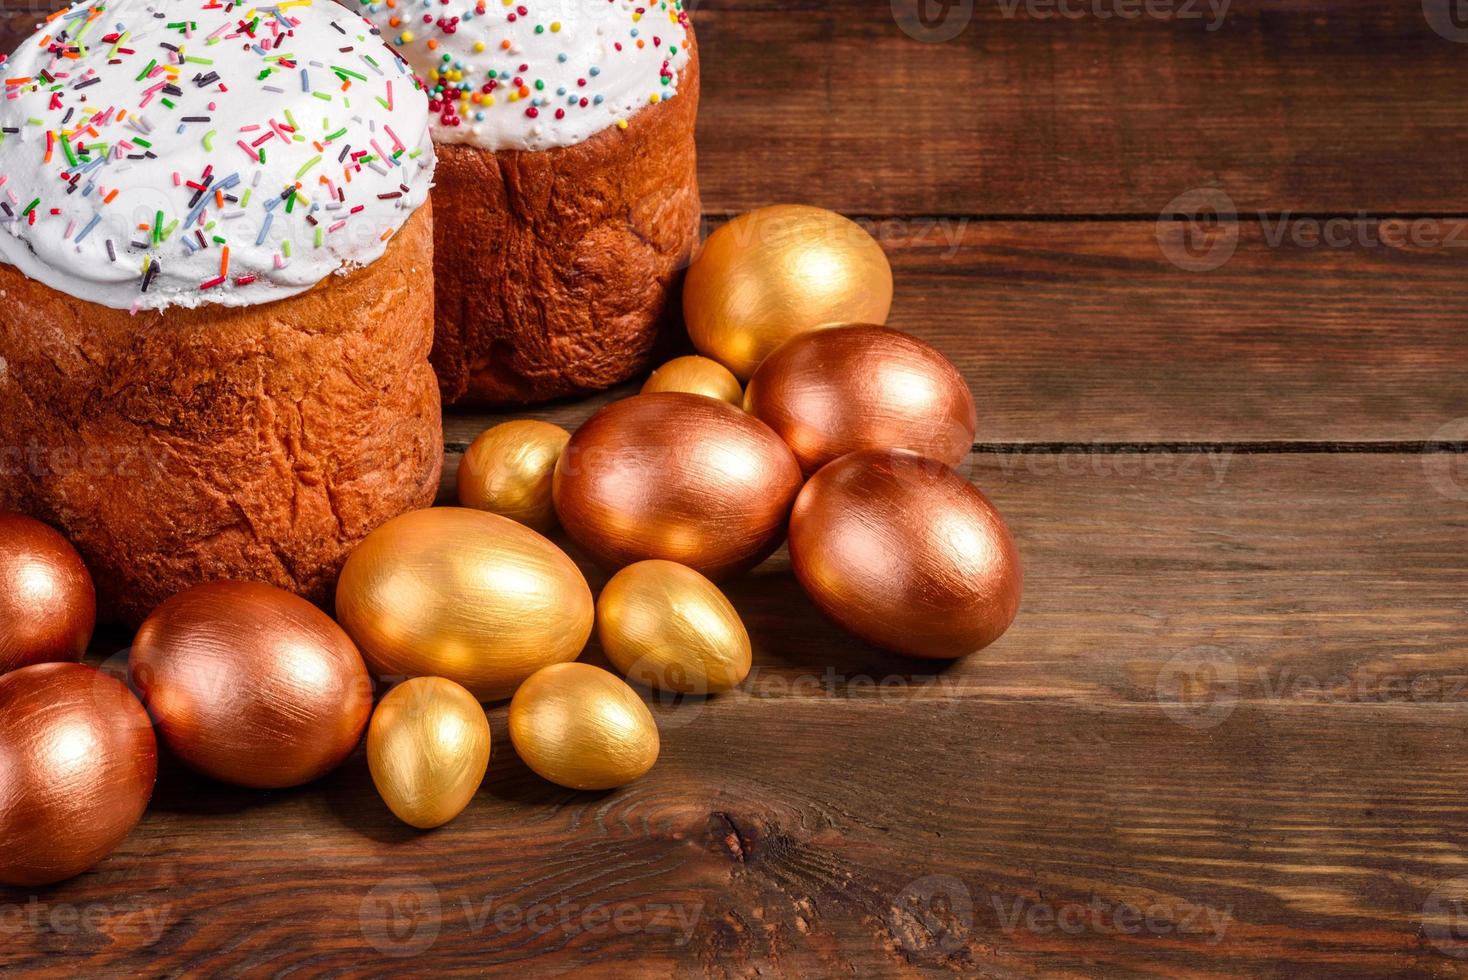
{"points": [[195, 152], [536, 74]]}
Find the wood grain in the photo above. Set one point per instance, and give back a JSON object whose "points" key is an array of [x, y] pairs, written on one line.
{"points": [[1333, 106], [1091, 332], [1215, 703], [1169, 576], [1224, 736], [1286, 106], [997, 838]]}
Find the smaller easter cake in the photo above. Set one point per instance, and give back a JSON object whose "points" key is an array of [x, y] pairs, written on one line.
{"points": [[566, 203], [214, 226]]}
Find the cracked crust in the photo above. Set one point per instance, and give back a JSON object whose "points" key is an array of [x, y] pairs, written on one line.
{"points": [[555, 269], [255, 443]]}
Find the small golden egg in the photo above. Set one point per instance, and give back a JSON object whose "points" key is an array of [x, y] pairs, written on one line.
{"points": [[508, 471], [462, 594], [428, 750], [697, 376], [780, 271], [666, 626], [582, 727]]}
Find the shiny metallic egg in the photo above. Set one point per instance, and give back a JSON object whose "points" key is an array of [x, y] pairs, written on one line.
{"points": [[906, 554]]}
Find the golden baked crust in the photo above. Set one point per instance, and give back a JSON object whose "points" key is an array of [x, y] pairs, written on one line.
{"points": [[555, 268], [258, 443]]}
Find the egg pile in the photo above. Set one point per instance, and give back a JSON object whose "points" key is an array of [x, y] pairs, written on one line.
{"points": [[842, 442]]}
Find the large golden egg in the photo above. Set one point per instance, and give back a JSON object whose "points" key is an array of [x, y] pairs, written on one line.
{"points": [[508, 470], [581, 727], [906, 554], [466, 595], [678, 477], [773, 273], [697, 376], [428, 750], [861, 386], [666, 626]]}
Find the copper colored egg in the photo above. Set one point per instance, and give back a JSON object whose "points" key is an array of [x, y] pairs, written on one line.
{"points": [[428, 749], [77, 764], [508, 470], [855, 387], [697, 376], [465, 595], [678, 477], [906, 554], [47, 604], [773, 273], [582, 727], [251, 685]]}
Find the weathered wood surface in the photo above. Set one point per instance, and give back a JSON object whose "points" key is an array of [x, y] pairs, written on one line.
{"points": [[1094, 332], [1225, 735], [1222, 737]]}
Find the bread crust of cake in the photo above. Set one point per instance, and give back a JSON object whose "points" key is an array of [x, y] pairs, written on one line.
{"points": [[557, 270], [259, 442]]}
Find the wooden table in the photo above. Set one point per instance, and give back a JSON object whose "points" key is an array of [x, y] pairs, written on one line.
{"points": [[1209, 283]]}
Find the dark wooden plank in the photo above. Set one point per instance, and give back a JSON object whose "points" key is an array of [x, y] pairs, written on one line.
{"points": [[1333, 105], [1167, 576], [1094, 332], [822, 839]]}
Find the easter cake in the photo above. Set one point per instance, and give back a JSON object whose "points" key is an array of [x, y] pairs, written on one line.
{"points": [[214, 224], [566, 202]]}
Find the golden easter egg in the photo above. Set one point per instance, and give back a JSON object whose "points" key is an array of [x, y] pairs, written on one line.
{"points": [[465, 595], [583, 728], [508, 471], [665, 626], [697, 376], [780, 271], [428, 750]]}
